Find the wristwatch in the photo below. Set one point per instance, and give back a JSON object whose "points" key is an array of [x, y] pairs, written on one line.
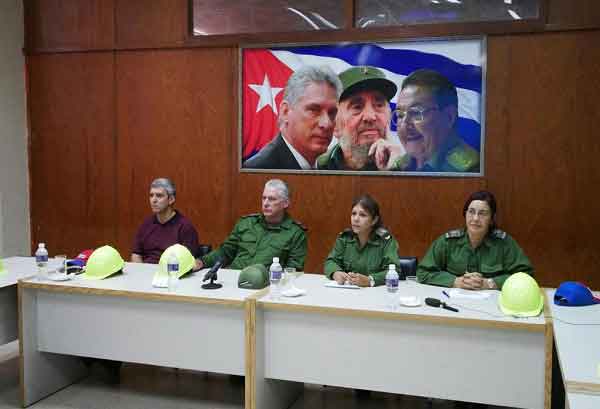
{"points": [[490, 283], [371, 281]]}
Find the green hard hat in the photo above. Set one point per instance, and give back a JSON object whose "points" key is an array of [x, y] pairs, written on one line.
{"points": [[363, 78], [186, 260], [254, 277], [521, 296], [104, 261]]}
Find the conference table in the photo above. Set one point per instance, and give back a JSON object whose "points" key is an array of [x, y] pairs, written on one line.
{"points": [[577, 340], [14, 269], [125, 318], [351, 338], [330, 336]]}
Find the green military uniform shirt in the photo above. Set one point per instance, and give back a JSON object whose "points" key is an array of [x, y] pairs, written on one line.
{"points": [[451, 255], [373, 259], [453, 156], [253, 241], [333, 159]]}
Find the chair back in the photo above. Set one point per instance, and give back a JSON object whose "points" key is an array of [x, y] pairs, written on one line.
{"points": [[408, 267]]}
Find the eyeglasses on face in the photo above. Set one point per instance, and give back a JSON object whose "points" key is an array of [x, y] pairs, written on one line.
{"points": [[479, 213], [414, 114]]}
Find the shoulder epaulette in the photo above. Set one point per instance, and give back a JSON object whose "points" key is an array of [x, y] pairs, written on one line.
{"points": [[499, 234], [455, 234], [297, 223], [383, 233], [463, 158], [346, 232], [250, 215]]}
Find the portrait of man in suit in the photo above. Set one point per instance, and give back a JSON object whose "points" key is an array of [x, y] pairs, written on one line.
{"points": [[306, 121]]}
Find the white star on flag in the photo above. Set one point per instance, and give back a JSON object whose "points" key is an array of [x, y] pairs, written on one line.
{"points": [[266, 93]]}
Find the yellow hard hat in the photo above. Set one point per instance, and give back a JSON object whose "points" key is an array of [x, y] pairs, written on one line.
{"points": [[521, 296], [184, 256], [104, 262]]}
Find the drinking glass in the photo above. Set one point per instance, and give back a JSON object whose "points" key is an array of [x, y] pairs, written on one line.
{"points": [[291, 275]]}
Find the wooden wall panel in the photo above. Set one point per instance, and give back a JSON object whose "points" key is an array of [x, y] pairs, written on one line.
{"points": [[72, 151], [583, 131], [544, 168], [566, 14], [151, 23], [69, 24], [173, 120]]}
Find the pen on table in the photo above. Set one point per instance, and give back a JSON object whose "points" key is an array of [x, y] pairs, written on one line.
{"points": [[446, 294]]}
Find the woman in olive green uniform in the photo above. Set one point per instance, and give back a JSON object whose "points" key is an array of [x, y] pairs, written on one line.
{"points": [[362, 253], [478, 257]]}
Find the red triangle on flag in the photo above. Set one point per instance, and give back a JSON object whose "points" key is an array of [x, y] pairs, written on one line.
{"points": [[263, 80]]}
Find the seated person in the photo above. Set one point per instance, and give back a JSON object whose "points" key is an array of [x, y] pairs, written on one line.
{"points": [[478, 257], [257, 238], [165, 227], [363, 253]]}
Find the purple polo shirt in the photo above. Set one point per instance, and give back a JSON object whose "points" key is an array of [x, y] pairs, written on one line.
{"points": [[152, 238]]}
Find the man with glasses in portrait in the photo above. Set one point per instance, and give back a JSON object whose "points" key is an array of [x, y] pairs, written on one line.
{"points": [[426, 116]]}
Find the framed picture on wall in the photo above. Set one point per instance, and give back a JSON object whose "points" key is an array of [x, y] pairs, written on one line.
{"points": [[410, 108]]}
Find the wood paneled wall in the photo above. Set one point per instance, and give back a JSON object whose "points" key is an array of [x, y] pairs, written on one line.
{"points": [[132, 102]]}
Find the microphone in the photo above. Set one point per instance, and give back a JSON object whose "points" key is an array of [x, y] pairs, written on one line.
{"points": [[212, 273], [212, 276], [434, 302]]}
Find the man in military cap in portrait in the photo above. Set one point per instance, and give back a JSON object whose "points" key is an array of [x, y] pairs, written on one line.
{"points": [[426, 116], [257, 238], [363, 118]]}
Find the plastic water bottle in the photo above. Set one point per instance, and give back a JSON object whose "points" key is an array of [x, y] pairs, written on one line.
{"points": [[173, 272], [41, 259], [275, 276], [391, 283]]}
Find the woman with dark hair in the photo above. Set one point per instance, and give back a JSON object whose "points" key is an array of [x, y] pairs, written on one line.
{"points": [[477, 257], [362, 253]]}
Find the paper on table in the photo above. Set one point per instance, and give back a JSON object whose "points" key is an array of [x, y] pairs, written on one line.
{"points": [[160, 280], [334, 284], [293, 292], [471, 295]]}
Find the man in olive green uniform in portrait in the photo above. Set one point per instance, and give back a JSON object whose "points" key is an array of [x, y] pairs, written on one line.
{"points": [[363, 118], [426, 115], [257, 238]]}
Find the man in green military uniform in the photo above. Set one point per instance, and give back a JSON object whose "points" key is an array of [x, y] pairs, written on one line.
{"points": [[478, 257], [363, 118], [372, 260], [426, 116], [257, 238]]}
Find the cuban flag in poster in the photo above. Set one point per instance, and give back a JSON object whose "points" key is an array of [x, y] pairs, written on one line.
{"points": [[265, 73]]}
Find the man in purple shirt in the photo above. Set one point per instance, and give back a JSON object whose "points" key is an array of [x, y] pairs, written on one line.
{"points": [[164, 228]]}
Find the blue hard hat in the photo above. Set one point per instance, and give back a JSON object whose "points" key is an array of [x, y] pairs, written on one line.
{"points": [[574, 294]]}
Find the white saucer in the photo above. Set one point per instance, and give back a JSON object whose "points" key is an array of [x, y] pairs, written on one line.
{"points": [[59, 277], [410, 301]]}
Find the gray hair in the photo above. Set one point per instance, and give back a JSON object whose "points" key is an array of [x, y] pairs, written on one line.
{"points": [[306, 75], [164, 183], [280, 185]]}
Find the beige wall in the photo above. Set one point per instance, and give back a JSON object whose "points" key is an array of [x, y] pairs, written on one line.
{"points": [[14, 180]]}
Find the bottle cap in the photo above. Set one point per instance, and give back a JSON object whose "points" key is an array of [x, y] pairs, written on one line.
{"points": [[392, 267], [42, 245], [275, 259]]}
